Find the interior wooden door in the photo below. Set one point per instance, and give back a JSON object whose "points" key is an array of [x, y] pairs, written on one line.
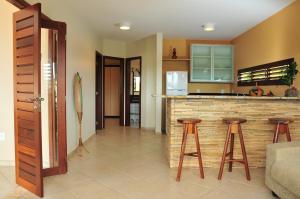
{"points": [[112, 91], [107, 81], [115, 91], [27, 64]]}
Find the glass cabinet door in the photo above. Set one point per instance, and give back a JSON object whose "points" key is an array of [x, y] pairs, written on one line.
{"points": [[201, 63], [223, 63], [211, 63]]}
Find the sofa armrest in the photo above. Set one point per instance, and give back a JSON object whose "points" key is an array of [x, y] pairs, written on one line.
{"points": [[281, 151]]}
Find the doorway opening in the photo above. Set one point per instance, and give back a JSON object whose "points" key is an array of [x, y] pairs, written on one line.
{"points": [[133, 92], [113, 89]]}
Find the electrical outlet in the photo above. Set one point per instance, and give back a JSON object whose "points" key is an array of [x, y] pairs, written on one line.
{"points": [[2, 136]]}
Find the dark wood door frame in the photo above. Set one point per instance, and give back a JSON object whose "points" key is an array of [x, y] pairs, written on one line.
{"points": [[127, 90], [122, 100], [99, 91], [21, 4], [60, 28]]}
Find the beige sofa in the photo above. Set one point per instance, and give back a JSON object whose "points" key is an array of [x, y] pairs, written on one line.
{"points": [[283, 169]]}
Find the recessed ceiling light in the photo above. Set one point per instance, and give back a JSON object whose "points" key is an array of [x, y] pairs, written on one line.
{"points": [[124, 26], [208, 27]]}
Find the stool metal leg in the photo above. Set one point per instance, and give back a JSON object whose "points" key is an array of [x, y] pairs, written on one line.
{"points": [[231, 152], [224, 152], [275, 138], [244, 153], [288, 135], [184, 138], [198, 152]]}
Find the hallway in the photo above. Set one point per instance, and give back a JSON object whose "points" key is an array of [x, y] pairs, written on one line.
{"points": [[128, 163]]}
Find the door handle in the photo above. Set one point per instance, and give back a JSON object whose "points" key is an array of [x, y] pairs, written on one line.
{"points": [[37, 99]]}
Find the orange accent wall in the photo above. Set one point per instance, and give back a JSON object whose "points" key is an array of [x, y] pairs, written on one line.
{"points": [[183, 51], [275, 39]]}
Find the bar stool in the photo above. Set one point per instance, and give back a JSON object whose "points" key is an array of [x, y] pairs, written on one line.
{"points": [[234, 127], [189, 127], [282, 126]]}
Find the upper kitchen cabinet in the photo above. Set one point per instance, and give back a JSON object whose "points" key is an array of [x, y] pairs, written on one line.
{"points": [[211, 63]]}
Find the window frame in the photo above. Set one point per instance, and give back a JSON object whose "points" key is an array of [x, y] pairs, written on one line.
{"points": [[268, 67]]}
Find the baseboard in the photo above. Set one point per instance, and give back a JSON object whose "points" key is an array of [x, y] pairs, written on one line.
{"points": [[73, 152], [11, 163], [148, 129]]}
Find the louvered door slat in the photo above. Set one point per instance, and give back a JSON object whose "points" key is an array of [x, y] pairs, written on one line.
{"points": [[27, 49]]}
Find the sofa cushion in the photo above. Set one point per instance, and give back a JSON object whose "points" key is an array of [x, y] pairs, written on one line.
{"points": [[287, 174]]}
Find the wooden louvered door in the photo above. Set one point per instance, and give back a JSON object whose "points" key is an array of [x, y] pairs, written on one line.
{"points": [[27, 64]]}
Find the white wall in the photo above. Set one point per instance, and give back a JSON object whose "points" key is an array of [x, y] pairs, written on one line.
{"points": [[150, 49], [113, 48], [82, 42], [6, 83]]}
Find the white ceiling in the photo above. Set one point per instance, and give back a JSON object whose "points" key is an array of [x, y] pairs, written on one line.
{"points": [[175, 18]]}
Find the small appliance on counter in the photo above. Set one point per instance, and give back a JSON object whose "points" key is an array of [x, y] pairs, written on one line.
{"points": [[176, 83]]}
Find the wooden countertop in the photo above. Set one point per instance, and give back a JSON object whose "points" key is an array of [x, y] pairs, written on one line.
{"points": [[226, 97]]}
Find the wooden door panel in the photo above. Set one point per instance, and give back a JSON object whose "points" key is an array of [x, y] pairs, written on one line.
{"points": [[25, 88], [26, 124], [27, 49], [25, 115], [28, 60], [25, 70], [23, 97], [26, 133], [27, 142], [24, 51], [25, 33], [25, 23], [25, 106], [24, 79], [27, 167], [25, 42], [27, 159], [115, 91], [107, 81]]}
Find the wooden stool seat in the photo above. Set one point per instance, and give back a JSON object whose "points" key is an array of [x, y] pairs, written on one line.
{"points": [[234, 127], [282, 126], [234, 120], [281, 120], [189, 121], [189, 127]]}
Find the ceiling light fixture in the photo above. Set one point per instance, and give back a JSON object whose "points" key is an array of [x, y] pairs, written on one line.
{"points": [[124, 26], [208, 27]]}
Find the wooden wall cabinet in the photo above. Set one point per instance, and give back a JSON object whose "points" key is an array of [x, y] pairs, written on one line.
{"points": [[211, 63]]}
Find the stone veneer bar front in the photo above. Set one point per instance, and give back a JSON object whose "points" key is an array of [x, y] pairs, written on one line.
{"points": [[258, 132]]}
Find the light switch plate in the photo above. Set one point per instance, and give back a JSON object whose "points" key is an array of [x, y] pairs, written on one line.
{"points": [[2, 136]]}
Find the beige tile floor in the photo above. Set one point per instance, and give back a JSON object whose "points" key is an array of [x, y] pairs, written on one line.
{"points": [[126, 163]]}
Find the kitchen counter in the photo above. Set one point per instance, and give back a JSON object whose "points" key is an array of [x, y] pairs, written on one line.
{"points": [[258, 132], [230, 97]]}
